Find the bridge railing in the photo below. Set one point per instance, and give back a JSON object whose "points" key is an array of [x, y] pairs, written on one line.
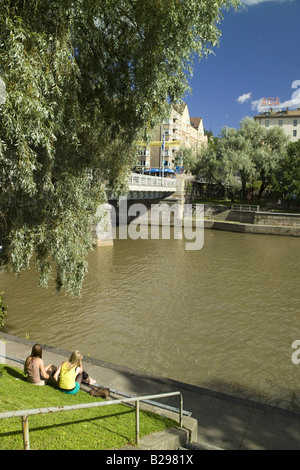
{"points": [[153, 181]]}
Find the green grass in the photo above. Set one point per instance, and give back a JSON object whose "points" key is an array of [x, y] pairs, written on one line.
{"points": [[105, 427], [228, 202], [264, 204]]}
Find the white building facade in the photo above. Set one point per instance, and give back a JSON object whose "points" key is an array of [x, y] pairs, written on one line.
{"points": [[177, 132], [288, 120]]}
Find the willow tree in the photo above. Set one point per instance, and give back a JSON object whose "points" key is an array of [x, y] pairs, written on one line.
{"points": [[286, 179], [84, 81], [242, 157]]}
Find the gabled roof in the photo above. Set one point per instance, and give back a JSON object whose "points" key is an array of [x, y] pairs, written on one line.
{"points": [[195, 122]]}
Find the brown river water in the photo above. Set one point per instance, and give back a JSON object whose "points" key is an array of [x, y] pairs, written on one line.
{"points": [[223, 317]]}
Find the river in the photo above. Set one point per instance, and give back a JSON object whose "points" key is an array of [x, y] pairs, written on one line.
{"points": [[223, 317]]}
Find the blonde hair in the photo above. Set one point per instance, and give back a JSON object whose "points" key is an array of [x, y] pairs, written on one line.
{"points": [[74, 360]]}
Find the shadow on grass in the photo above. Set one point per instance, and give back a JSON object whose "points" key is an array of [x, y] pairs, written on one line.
{"points": [[68, 423], [15, 373]]}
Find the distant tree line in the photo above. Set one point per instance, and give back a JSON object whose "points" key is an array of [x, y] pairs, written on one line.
{"points": [[252, 156]]}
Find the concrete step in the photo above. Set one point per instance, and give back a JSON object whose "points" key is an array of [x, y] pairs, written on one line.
{"points": [[199, 446]]}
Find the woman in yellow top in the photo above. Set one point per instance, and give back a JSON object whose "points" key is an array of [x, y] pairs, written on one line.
{"points": [[70, 374]]}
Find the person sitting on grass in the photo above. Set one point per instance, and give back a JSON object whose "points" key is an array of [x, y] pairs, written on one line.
{"points": [[70, 374], [35, 369]]}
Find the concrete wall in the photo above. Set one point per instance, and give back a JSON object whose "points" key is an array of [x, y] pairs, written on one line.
{"points": [[264, 218], [269, 223], [252, 228]]}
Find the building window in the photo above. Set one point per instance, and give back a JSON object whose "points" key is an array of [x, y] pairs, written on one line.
{"points": [[267, 123], [143, 153], [294, 133], [280, 122], [295, 122]]}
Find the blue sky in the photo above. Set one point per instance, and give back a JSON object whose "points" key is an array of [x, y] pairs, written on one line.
{"points": [[258, 57]]}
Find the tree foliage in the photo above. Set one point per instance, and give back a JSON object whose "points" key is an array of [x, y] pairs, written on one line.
{"points": [[242, 157], [84, 81], [287, 177], [187, 158]]}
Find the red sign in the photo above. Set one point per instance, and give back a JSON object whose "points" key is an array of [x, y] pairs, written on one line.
{"points": [[270, 102]]}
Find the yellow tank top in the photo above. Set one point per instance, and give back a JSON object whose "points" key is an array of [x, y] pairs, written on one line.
{"points": [[67, 377]]}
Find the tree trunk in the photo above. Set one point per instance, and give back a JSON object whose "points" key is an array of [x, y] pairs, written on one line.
{"points": [[263, 186]]}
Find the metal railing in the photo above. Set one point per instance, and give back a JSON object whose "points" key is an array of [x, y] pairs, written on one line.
{"points": [[244, 207], [152, 181], [24, 414]]}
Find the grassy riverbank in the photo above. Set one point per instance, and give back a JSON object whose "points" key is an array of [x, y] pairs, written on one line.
{"points": [[107, 427]]}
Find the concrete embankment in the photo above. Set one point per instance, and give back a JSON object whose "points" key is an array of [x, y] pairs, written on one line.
{"points": [[251, 228], [219, 217], [243, 221]]}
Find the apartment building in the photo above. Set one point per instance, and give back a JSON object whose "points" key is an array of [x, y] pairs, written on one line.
{"points": [[177, 132], [289, 120]]}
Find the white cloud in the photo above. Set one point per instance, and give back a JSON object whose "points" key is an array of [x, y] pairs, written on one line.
{"points": [[257, 2], [245, 97], [257, 105]]}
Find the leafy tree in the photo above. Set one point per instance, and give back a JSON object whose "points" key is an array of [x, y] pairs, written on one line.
{"points": [[227, 162], [209, 134], [251, 142], [240, 157], [269, 156], [211, 140], [287, 177], [84, 81], [186, 157]]}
